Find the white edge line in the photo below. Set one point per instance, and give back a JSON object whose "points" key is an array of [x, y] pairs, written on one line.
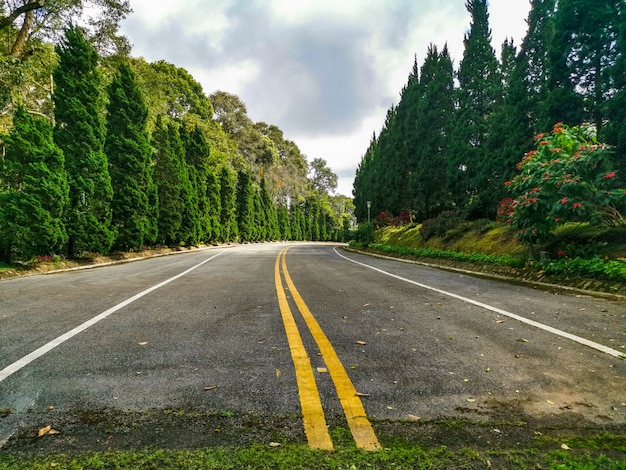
{"points": [[578, 339], [37, 353]]}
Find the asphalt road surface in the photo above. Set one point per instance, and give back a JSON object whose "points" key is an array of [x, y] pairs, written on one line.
{"points": [[309, 334]]}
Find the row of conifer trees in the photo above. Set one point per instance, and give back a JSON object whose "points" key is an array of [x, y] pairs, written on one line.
{"points": [[96, 180]]}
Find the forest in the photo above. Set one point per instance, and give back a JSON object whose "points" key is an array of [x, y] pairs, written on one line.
{"points": [[535, 136], [102, 152]]}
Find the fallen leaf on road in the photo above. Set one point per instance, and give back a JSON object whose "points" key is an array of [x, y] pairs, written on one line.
{"points": [[471, 400], [274, 444], [414, 418], [322, 370], [143, 343], [522, 340], [366, 305], [277, 373], [359, 394], [360, 342], [352, 367], [47, 430], [550, 402], [390, 407], [565, 447], [499, 321], [50, 408], [210, 387], [488, 369]]}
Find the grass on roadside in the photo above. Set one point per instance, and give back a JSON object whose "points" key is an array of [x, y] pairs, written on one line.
{"points": [[583, 455]]}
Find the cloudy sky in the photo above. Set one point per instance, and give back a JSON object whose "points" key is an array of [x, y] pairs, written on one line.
{"points": [[324, 71]]}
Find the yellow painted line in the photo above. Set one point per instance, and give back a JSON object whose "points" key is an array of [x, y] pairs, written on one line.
{"points": [[312, 413], [361, 428]]}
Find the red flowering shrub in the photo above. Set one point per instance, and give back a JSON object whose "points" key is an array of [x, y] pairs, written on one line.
{"points": [[565, 179]]}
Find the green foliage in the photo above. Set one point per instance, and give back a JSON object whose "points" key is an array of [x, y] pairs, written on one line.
{"points": [[365, 235], [245, 207], [596, 267], [439, 225], [36, 190], [503, 260], [168, 176], [566, 179], [80, 133], [127, 147], [228, 207]]}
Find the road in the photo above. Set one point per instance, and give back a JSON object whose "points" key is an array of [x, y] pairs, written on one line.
{"points": [[308, 336]]}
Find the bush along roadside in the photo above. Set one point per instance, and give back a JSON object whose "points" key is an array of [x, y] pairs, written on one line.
{"points": [[595, 268]]}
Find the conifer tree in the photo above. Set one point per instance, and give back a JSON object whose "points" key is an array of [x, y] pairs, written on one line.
{"points": [[36, 190], [269, 213], [297, 222], [479, 87], [284, 223], [228, 207], [168, 179], [129, 153], [196, 150], [80, 133], [245, 207], [191, 227], [214, 210]]}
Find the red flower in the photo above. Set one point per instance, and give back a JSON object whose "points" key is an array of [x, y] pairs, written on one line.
{"points": [[576, 205], [610, 175], [564, 200], [561, 253], [539, 136], [544, 142]]}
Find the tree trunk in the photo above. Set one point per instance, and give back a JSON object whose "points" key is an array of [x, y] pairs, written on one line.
{"points": [[18, 45]]}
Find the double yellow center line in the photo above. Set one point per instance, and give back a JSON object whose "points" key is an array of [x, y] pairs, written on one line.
{"points": [[312, 412]]}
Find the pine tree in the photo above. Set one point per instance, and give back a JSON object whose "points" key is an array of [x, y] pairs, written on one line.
{"points": [[479, 88], [245, 207], [214, 210], [433, 122], [80, 133], [583, 53], [31, 206], [128, 150], [284, 223], [228, 207]]}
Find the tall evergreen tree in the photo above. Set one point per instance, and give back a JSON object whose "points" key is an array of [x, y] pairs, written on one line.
{"points": [[36, 190], [80, 133], [214, 210], [269, 213], [284, 224], [129, 153], [245, 207], [228, 207], [168, 178], [433, 121], [583, 53], [196, 157], [479, 88]]}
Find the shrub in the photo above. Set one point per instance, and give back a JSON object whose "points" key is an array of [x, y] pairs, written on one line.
{"points": [[438, 226]]}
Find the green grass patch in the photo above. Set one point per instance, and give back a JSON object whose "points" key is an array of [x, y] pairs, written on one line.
{"points": [[301, 457]]}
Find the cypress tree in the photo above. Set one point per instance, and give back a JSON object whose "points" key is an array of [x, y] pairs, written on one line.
{"points": [[168, 179], [296, 222], [196, 157], [190, 228], [284, 223], [269, 213], [80, 133], [127, 147], [213, 197], [228, 207], [245, 207], [36, 192]]}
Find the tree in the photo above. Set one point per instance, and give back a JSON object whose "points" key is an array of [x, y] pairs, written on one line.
{"points": [[322, 177], [168, 178], [80, 133], [583, 51], [245, 207], [196, 157], [479, 87], [269, 213], [46, 19], [228, 207], [129, 153], [36, 190]]}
